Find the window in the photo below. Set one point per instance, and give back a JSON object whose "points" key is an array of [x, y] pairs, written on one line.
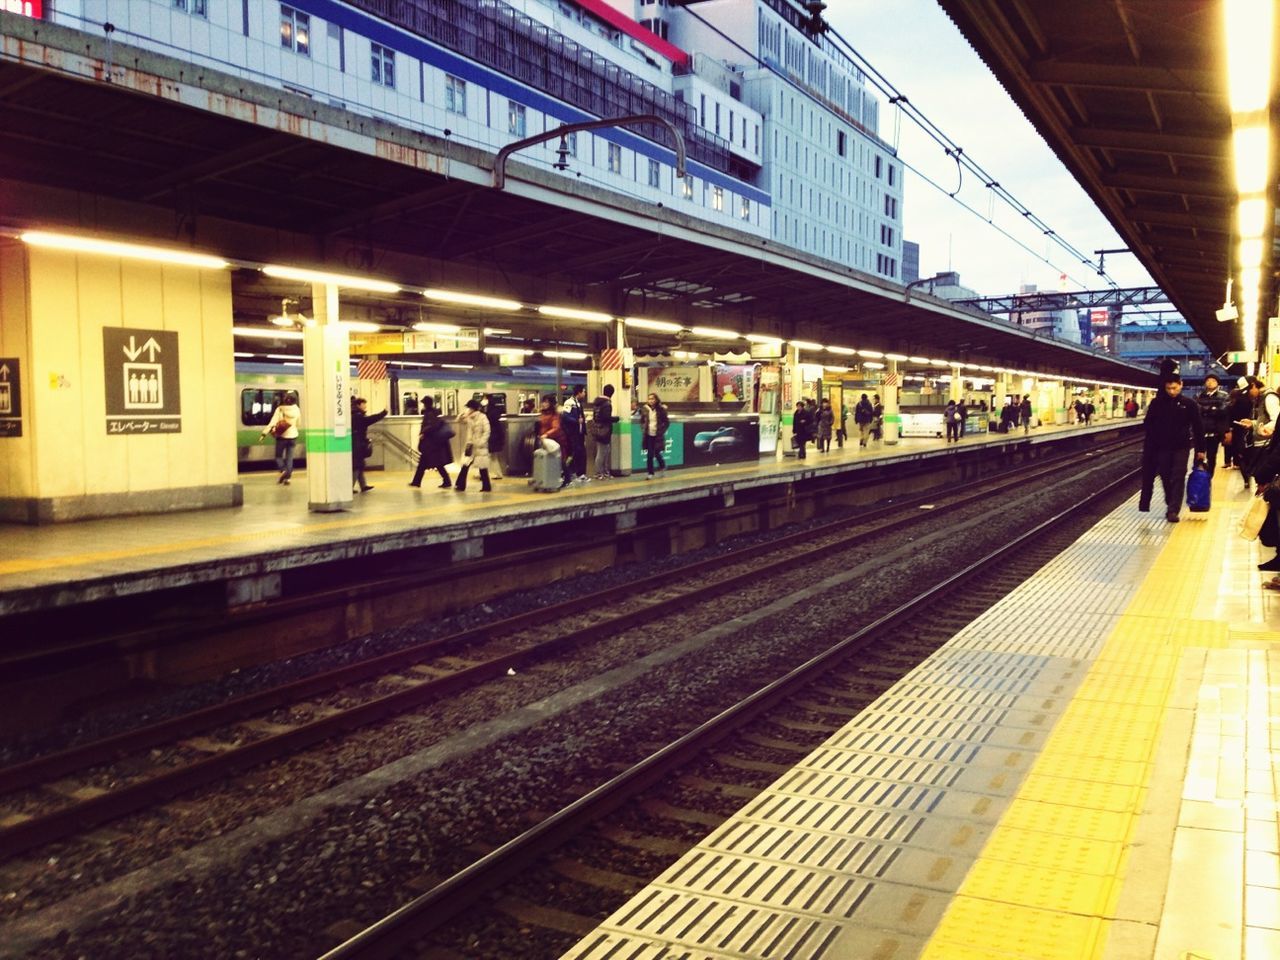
{"points": [[842, 145], [877, 166], [384, 65], [455, 95], [573, 143], [516, 124], [197, 8], [615, 158], [654, 172], [295, 30], [890, 207], [717, 119], [687, 188], [717, 199], [744, 208], [256, 406], [891, 174]]}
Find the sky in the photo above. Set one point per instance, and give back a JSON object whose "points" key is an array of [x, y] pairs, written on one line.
{"points": [[914, 46]]}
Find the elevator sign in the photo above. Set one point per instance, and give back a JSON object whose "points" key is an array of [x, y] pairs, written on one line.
{"points": [[141, 375], [10, 398]]}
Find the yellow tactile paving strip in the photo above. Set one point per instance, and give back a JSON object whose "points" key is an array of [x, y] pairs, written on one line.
{"points": [[1048, 882]]}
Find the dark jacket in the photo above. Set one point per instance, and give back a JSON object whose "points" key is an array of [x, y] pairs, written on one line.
{"points": [[602, 420], [1173, 423], [802, 424], [1214, 412], [360, 424], [826, 416], [864, 412], [433, 440], [660, 429]]}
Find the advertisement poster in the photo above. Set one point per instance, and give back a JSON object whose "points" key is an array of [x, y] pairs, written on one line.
{"points": [[735, 383], [709, 440], [671, 384], [770, 408], [672, 451]]}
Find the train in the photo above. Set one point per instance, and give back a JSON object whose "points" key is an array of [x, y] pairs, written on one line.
{"points": [[261, 387]]}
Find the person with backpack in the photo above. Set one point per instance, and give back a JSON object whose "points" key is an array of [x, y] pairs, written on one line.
{"points": [[573, 421], [951, 418], [433, 445], [864, 416], [653, 429], [283, 425], [602, 421]]}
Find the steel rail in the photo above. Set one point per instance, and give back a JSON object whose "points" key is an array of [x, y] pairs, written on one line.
{"points": [[432, 909]]}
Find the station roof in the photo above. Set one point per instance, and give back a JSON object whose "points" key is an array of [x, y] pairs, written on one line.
{"points": [[252, 172], [1132, 96]]}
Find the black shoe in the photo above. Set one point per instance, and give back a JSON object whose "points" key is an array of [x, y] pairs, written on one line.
{"points": [[446, 485], [366, 489], [415, 484], [1172, 516], [486, 489], [1273, 564], [1144, 508]]}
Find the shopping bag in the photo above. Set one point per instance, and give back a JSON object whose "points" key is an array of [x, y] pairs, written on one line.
{"points": [[1198, 489], [1251, 523]]}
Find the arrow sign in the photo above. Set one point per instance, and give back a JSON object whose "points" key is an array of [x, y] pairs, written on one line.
{"points": [[4, 372], [131, 351], [150, 346]]}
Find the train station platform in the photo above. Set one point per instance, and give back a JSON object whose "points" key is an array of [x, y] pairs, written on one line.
{"points": [[46, 567], [1088, 770]]}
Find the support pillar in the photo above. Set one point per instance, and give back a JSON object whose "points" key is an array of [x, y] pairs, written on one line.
{"points": [[610, 369], [792, 390], [956, 391], [326, 413], [890, 384]]}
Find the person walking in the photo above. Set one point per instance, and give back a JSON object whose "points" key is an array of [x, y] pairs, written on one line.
{"points": [[475, 449], [573, 421], [653, 429], [1172, 427], [1213, 403], [361, 446], [864, 416], [602, 421], [826, 417], [550, 428], [433, 446], [283, 425]]}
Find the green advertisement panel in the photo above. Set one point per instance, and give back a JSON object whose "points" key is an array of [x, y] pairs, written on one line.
{"points": [[673, 449]]}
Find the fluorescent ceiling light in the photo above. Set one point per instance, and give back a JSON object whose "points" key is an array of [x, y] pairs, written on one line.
{"points": [[282, 356], [1250, 150], [895, 357], [323, 276], [565, 354], [836, 369], [843, 351], [115, 248], [763, 338], [871, 354], [1250, 252], [1249, 29], [873, 365], [1251, 217], [806, 345], [495, 332], [715, 332], [267, 334], [940, 363], [361, 326], [918, 359], [644, 323], [243, 356], [570, 313], [470, 299], [456, 366], [501, 350], [436, 327]]}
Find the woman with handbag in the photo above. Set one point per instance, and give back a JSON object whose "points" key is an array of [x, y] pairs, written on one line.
{"points": [[475, 452], [283, 425], [361, 445], [433, 446]]}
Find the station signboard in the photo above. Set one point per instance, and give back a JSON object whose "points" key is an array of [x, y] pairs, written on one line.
{"points": [[140, 370], [10, 397]]}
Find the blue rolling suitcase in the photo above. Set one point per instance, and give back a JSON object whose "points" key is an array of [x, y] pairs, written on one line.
{"points": [[1198, 489]]}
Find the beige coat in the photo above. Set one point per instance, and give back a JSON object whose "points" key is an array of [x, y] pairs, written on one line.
{"points": [[476, 432]]}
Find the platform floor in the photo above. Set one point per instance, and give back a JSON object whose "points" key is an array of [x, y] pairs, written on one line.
{"points": [[1089, 770], [276, 517]]}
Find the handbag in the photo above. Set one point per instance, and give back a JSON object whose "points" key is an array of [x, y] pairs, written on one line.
{"points": [[281, 428], [1251, 522]]}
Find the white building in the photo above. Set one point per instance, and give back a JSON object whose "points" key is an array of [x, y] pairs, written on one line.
{"points": [[781, 129]]}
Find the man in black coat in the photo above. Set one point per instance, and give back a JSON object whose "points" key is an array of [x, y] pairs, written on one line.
{"points": [[1173, 427], [1212, 402]]}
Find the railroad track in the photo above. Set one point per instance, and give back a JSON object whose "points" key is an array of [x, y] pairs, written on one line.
{"points": [[826, 691], [221, 741]]}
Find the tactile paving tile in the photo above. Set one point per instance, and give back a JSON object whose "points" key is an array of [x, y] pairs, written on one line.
{"points": [[947, 752]]}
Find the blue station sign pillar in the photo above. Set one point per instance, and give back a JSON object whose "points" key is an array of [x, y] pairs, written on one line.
{"points": [[326, 412]]}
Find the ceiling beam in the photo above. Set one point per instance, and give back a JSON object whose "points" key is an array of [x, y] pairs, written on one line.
{"points": [[1187, 186], [1118, 76], [1154, 141]]}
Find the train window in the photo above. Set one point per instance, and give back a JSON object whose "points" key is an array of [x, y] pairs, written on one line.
{"points": [[256, 406]]}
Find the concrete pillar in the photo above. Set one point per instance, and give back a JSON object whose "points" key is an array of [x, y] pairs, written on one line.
{"points": [[1054, 402], [956, 391], [792, 391], [326, 400], [611, 374], [890, 384]]}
